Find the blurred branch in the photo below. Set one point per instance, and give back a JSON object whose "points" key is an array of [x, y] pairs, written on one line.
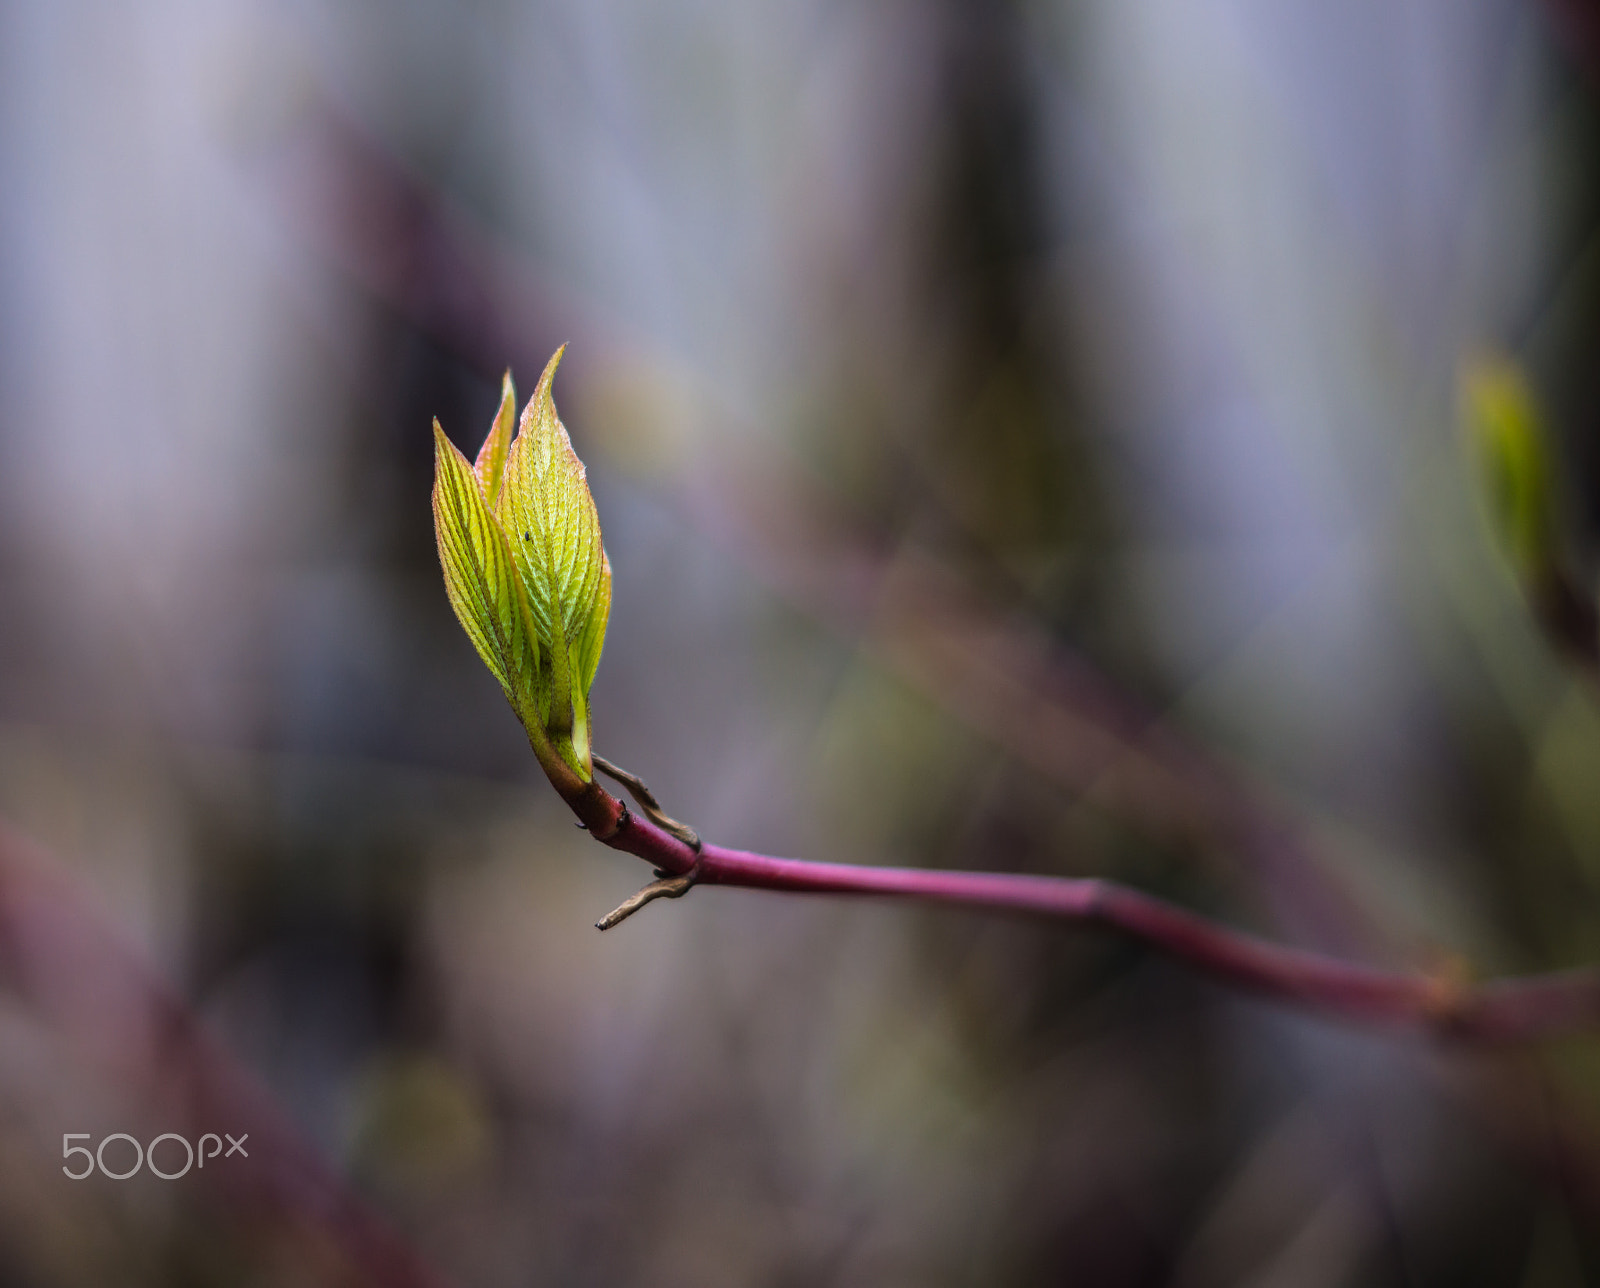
{"points": [[95, 994], [1577, 24], [1052, 711]]}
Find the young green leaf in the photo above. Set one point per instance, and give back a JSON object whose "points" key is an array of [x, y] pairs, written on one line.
{"points": [[553, 530], [592, 638], [480, 576]]}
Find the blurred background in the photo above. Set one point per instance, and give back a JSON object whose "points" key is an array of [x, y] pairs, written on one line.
{"points": [[1026, 437]]}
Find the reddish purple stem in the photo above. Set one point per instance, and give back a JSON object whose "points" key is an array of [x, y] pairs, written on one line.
{"points": [[1519, 1009]]}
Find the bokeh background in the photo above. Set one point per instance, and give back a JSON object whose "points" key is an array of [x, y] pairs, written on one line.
{"points": [[1026, 437]]}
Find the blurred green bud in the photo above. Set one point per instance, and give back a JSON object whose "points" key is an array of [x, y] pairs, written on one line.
{"points": [[525, 569], [1509, 440]]}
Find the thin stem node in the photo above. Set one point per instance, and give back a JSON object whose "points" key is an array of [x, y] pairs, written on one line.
{"points": [[647, 801]]}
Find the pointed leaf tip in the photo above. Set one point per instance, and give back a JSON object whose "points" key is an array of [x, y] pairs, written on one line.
{"points": [[490, 465]]}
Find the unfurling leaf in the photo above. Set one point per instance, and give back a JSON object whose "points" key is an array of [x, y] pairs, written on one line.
{"points": [[554, 533], [1504, 424], [479, 575], [535, 599]]}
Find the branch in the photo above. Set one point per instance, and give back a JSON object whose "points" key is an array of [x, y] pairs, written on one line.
{"points": [[432, 264], [1512, 1010], [1004, 679], [70, 971]]}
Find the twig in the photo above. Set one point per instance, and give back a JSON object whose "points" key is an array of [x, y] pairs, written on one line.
{"points": [[1511, 1010], [1088, 735], [1047, 707], [662, 888]]}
